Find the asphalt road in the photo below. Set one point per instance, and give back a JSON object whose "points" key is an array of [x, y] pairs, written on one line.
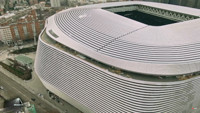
{"points": [[13, 90]]}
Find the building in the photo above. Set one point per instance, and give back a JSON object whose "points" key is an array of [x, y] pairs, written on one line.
{"points": [[123, 57], [64, 3], [24, 61], [42, 5], [188, 3], [55, 3], [25, 28], [2, 3], [6, 18], [32, 2], [5, 35]]}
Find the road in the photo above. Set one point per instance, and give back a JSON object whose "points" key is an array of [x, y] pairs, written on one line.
{"points": [[12, 90]]}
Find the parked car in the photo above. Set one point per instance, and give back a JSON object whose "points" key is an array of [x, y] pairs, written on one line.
{"points": [[1, 87]]}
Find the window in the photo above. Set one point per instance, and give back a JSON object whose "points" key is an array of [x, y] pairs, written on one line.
{"points": [[33, 28], [25, 31], [16, 32]]}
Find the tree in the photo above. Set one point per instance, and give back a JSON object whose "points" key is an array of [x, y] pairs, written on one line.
{"points": [[28, 2], [14, 4], [6, 5]]}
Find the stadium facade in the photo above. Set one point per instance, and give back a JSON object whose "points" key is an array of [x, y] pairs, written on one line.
{"points": [[100, 59]]}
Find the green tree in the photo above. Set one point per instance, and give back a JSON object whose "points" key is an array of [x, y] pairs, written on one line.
{"points": [[28, 2]]}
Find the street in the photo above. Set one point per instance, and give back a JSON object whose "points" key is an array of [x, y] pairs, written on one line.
{"points": [[12, 90], [33, 86]]}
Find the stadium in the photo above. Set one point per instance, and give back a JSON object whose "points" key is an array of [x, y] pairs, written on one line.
{"points": [[123, 57]]}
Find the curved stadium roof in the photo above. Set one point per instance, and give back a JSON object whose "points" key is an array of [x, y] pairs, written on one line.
{"points": [[121, 42]]}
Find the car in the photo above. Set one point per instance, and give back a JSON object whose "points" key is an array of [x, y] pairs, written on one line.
{"points": [[33, 99], [1, 87]]}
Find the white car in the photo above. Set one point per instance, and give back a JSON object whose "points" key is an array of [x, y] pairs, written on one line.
{"points": [[1, 87]]}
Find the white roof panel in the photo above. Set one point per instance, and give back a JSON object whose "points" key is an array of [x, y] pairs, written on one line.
{"points": [[130, 45]]}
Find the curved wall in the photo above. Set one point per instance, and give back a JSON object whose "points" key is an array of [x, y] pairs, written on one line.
{"points": [[92, 89], [126, 44]]}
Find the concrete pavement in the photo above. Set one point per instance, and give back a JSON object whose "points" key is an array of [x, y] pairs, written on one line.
{"points": [[37, 88], [13, 90]]}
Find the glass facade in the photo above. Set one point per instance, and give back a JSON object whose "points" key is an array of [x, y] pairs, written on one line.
{"points": [[34, 30], [25, 31], [16, 32]]}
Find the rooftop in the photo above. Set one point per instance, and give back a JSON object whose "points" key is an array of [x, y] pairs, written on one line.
{"points": [[8, 15], [111, 69], [98, 32], [24, 59]]}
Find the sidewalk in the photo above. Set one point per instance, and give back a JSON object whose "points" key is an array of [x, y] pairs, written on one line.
{"points": [[36, 87]]}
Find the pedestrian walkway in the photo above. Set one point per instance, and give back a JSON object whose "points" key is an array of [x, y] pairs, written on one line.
{"points": [[36, 87]]}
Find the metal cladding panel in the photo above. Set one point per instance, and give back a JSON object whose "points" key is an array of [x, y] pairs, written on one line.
{"points": [[94, 27], [167, 50], [157, 54], [102, 91]]}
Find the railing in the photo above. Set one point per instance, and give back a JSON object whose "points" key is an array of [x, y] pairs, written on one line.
{"points": [[175, 16], [112, 69]]}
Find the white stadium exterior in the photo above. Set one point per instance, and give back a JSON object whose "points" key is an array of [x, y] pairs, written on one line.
{"points": [[100, 61]]}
